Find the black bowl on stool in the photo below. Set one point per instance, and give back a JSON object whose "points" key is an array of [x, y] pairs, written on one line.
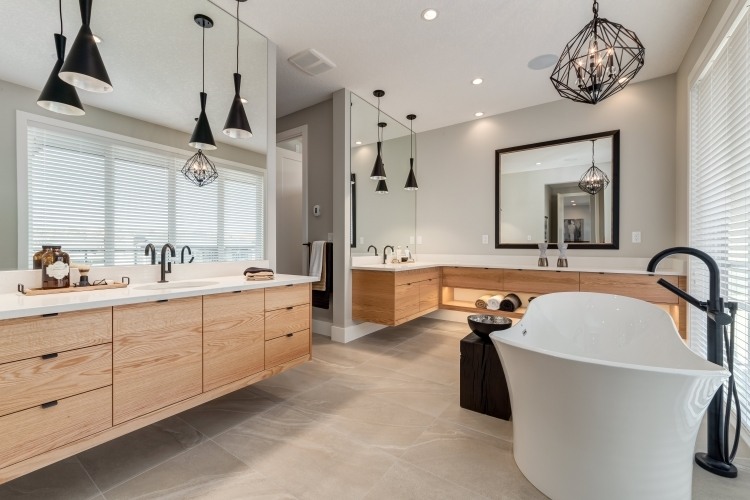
{"points": [[484, 324]]}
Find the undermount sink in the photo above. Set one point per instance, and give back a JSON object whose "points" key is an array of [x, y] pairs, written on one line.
{"points": [[171, 285]]}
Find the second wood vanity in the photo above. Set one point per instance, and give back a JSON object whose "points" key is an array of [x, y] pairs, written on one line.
{"points": [[72, 380]]}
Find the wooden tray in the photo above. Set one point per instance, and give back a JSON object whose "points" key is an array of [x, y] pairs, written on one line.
{"points": [[91, 288]]}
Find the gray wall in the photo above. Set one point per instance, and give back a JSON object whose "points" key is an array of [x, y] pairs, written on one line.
{"points": [[455, 202], [319, 121], [14, 97], [717, 13]]}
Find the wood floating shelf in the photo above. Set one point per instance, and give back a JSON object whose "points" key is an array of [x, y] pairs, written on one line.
{"points": [[465, 306]]}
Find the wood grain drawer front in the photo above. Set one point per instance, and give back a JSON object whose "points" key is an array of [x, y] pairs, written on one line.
{"points": [[429, 292], [473, 277], [24, 338], [27, 433], [31, 382], [372, 296], [286, 348], [416, 275], [284, 296], [157, 355], [407, 300], [289, 320], [638, 286], [232, 337], [540, 281]]}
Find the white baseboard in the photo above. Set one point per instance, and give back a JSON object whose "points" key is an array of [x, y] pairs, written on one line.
{"points": [[354, 332], [321, 327], [445, 315]]}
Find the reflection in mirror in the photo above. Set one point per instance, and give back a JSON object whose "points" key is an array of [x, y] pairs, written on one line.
{"points": [[538, 198], [353, 214], [380, 219], [116, 170]]}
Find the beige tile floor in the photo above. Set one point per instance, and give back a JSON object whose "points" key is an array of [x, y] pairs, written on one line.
{"points": [[374, 419]]}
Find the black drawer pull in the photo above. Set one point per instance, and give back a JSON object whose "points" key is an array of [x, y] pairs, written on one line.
{"points": [[162, 301], [288, 285], [49, 356], [49, 405], [290, 308], [290, 335], [237, 291], [49, 315]]}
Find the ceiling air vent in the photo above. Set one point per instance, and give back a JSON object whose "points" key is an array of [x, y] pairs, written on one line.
{"points": [[312, 62]]}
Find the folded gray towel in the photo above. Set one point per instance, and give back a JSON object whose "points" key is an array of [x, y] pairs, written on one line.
{"points": [[257, 270]]}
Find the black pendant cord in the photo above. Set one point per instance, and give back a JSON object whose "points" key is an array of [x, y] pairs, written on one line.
{"points": [[380, 129], [592, 153], [411, 138], [238, 37], [61, 19], [203, 29]]}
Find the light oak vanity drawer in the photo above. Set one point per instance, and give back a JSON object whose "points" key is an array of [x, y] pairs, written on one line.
{"points": [[286, 348], [285, 296], [24, 338], [428, 294], [288, 320], [416, 275], [407, 301], [540, 281], [27, 433], [473, 277], [638, 286], [31, 382]]}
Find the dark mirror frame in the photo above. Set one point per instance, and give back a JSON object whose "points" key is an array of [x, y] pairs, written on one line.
{"points": [[614, 186], [353, 214]]}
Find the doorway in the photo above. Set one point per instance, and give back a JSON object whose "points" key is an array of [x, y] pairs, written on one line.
{"points": [[291, 202]]}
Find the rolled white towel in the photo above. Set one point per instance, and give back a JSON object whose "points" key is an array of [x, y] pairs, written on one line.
{"points": [[493, 304], [481, 302]]}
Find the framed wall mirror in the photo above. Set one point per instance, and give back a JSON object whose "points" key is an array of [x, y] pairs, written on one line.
{"points": [[539, 197]]}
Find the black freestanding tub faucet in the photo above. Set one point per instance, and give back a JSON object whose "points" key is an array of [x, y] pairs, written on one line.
{"points": [[718, 458]]}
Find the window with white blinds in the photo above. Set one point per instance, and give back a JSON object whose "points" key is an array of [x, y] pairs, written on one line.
{"points": [[104, 200], [720, 191]]}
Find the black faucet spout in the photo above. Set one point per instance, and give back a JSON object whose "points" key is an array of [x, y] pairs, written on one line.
{"points": [[373, 247], [385, 254], [190, 254], [151, 250], [714, 300], [166, 267]]}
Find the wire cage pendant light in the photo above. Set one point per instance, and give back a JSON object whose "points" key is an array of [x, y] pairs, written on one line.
{"points": [[84, 67], [594, 179], [57, 95], [378, 170], [411, 180], [202, 137], [237, 126], [598, 62], [200, 170]]}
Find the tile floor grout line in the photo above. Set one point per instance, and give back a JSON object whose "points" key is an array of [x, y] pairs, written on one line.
{"points": [[464, 488], [85, 471]]}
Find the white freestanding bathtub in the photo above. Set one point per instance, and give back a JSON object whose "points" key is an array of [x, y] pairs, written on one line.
{"points": [[606, 398]]}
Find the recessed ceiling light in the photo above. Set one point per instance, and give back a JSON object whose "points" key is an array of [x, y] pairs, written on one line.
{"points": [[478, 114], [97, 39], [429, 14], [538, 163], [358, 143], [477, 81]]}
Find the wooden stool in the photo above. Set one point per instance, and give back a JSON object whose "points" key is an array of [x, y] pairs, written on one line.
{"points": [[483, 386]]}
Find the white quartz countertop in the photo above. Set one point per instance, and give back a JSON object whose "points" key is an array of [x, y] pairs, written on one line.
{"points": [[17, 305], [489, 265]]}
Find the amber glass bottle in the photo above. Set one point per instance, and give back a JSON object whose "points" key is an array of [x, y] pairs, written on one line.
{"points": [[38, 256], [55, 268]]}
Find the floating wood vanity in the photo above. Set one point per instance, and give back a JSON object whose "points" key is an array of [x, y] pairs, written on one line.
{"points": [[74, 379], [378, 296]]}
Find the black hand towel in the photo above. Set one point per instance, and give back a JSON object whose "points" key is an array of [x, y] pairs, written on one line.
{"points": [[510, 303]]}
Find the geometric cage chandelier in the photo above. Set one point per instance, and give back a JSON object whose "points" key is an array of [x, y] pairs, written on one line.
{"points": [[598, 62], [594, 179]]}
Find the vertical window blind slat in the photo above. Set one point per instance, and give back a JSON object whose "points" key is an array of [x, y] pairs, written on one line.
{"points": [[104, 200], [719, 187]]}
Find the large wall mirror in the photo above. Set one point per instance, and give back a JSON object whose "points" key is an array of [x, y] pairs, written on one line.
{"points": [[538, 198], [380, 219], [152, 52]]}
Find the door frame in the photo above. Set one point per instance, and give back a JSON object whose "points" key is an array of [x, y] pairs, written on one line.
{"points": [[300, 132]]}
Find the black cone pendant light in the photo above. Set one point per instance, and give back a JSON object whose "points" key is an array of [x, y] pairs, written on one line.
{"points": [[202, 137], [378, 170], [57, 95], [411, 181], [237, 126], [382, 187], [84, 68]]}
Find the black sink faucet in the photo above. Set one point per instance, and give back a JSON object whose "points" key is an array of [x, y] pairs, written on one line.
{"points": [[182, 255], [715, 460], [374, 248], [151, 250], [166, 267], [385, 256]]}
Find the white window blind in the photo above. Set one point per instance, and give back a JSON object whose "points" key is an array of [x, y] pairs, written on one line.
{"points": [[104, 200], [720, 191]]}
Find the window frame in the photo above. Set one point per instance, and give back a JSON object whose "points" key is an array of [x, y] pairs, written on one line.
{"points": [[25, 119]]}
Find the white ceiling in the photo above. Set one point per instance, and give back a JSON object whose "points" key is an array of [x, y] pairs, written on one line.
{"points": [[152, 53], [426, 68], [573, 154]]}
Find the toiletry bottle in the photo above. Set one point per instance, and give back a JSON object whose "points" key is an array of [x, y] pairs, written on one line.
{"points": [[398, 253], [55, 268], [37, 259], [407, 253]]}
